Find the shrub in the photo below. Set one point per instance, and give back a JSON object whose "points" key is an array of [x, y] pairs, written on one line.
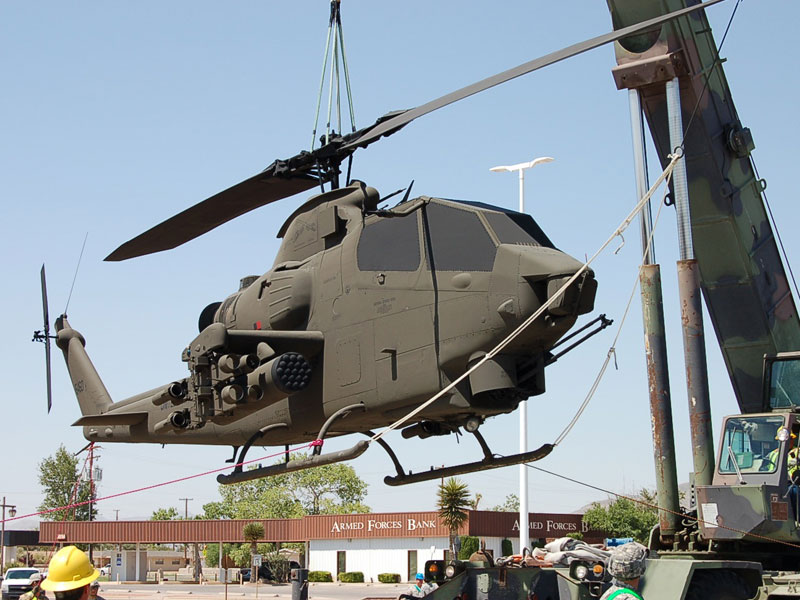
{"points": [[320, 576], [469, 545], [352, 577], [278, 566], [389, 577], [506, 547]]}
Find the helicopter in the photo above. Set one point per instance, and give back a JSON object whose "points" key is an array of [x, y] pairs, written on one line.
{"points": [[365, 314]]}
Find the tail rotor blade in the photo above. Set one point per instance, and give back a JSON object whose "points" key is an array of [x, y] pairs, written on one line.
{"points": [[46, 317]]}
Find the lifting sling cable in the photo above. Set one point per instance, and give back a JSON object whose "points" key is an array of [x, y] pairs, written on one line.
{"points": [[612, 350], [334, 48], [674, 158]]}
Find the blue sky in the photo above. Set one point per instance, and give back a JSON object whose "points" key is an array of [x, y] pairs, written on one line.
{"points": [[115, 116]]}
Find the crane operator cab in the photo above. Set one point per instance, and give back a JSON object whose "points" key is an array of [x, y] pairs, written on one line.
{"points": [[754, 491]]}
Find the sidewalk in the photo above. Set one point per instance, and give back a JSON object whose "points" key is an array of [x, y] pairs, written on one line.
{"points": [[217, 591]]}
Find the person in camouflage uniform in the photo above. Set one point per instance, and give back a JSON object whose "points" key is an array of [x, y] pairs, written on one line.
{"points": [[94, 588], [36, 592], [626, 565]]}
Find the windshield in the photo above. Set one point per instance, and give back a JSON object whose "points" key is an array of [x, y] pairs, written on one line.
{"points": [[784, 383], [23, 574], [749, 440]]}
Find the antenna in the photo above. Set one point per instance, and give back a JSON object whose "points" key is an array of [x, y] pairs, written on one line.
{"points": [[43, 335], [78, 266]]}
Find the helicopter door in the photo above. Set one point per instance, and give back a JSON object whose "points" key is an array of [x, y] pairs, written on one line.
{"points": [[389, 265]]}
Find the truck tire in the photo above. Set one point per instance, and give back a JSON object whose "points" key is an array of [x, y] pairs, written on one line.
{"points": [[718, 585]]}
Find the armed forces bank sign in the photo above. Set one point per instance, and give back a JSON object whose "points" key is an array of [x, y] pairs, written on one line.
{"points": [[541, 525], [380, 525], [428, 524], [553, 527]]}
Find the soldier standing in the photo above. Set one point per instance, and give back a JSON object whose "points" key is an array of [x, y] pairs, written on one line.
{"points": [[94, 589], [626, 565], [420, 589], [36, 592]]}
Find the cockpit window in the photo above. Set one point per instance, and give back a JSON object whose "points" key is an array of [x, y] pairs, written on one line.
{"points": [[784, 383], [750, 441], [458, 240], [516, 228], [506, 233], [390, 244]]}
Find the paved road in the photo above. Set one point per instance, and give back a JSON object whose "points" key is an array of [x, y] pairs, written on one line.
{"points": [[267, 591]]}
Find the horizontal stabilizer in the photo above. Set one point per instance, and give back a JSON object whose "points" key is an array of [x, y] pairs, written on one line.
{"points": [[110, 419]]}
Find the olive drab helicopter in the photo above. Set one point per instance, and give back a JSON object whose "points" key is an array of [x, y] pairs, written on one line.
{"points": [[365, 314]]}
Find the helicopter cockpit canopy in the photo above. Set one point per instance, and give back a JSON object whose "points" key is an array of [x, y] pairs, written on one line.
{"points": [[456, 236]]}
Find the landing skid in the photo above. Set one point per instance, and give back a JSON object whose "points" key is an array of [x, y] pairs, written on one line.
{"points": [[317, 459], [490, 461]]}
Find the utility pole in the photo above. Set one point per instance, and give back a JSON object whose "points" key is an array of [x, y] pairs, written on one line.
{"points": [[186, 518], [91, 491], [116, 514]]}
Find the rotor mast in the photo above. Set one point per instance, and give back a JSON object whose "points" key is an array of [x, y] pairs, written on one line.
{"points": [[335, 52]]}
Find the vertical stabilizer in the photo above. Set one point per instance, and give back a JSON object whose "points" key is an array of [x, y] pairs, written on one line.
{"points": [[92, 395]]}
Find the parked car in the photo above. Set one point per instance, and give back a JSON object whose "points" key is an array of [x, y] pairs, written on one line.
{"points": [[16, 582], [264, 574], [104, 571]]}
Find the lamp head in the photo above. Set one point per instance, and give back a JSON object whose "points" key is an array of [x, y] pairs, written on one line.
{"points": [[522, 166]]}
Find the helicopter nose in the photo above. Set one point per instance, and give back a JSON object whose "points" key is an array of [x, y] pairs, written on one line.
{"points": [[548, 270]]}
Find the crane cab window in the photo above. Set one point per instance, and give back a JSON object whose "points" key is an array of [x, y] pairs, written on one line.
{"points": [[390, 244], [750, 441], [457, 238], [784, 383]]}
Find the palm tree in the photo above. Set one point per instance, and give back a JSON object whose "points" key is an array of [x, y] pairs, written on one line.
{"points": [[453, 502], [252, 532]]}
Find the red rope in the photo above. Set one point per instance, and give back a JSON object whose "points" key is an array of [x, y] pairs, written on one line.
{"points": [[157, 485]]}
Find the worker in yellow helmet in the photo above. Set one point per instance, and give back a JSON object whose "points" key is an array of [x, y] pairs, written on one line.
{"points": [[792, 468], [70, 574]]}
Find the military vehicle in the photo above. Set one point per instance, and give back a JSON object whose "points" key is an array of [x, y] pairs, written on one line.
{"points": [[365, 314], [743, 538], [742, 490]]}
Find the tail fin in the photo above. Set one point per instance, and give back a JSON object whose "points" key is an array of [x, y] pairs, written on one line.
{"points": [[93, 397]]}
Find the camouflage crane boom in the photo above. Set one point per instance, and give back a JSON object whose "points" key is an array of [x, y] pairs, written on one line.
{"points": [[744, 282]]}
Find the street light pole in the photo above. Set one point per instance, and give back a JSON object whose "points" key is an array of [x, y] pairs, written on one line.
{"points": [[12, 512], [524, 530]]}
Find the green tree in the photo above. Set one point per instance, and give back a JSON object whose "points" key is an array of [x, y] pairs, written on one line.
{"points": [[329, 489], [453, 502], [165, 514], [511, 504], [469, 545], [62, 486], [624, 517]]}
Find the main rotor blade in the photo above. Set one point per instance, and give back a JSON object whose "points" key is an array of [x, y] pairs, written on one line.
{"points": [[46, 316], [201, 218], [406, 117]]}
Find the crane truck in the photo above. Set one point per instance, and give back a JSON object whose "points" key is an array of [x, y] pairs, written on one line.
{"points": [[742, 538]]}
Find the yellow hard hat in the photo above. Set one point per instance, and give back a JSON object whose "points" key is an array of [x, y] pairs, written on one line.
{"points": [[69, 569]]}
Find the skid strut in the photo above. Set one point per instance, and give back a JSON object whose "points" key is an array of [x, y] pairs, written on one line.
{"points": [[315, 460]]}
